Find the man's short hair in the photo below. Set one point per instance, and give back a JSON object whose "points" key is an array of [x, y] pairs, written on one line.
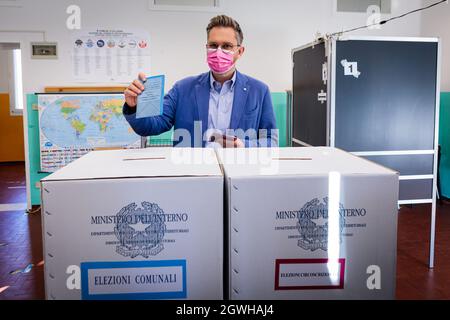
{"points": [[226, 21]]}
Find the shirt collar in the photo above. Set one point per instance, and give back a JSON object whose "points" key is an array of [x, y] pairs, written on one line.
{"points": [[232, 80]]}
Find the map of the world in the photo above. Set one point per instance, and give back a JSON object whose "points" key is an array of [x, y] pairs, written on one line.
{"points": [[71, 125]]}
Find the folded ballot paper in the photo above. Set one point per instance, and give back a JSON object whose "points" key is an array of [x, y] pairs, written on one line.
{"points": [[150, 101]]}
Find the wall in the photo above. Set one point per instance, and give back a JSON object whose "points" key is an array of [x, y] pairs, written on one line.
{"points": [[272, 28], [436, 23]]}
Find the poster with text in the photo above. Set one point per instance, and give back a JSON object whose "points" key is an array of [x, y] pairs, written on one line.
{"points": [[106, 55]]}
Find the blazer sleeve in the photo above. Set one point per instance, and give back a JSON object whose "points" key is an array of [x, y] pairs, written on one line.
{"points": [[152, 126], [267, 131]]}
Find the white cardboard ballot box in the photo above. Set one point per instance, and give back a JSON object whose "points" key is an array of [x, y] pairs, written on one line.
{"points": [[309, 223], [135, 224]]}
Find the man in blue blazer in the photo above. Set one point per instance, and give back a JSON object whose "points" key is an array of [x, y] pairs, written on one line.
{"points": [[221, 107]]}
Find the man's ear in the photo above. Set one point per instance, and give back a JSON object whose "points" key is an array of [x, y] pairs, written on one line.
{"points": [[241, 51]]}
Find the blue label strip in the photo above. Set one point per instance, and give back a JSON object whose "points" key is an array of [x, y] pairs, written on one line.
{"points": [[86, 266]]}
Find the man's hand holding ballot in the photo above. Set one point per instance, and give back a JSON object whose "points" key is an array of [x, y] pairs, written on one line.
{"points": [[134, 89]]}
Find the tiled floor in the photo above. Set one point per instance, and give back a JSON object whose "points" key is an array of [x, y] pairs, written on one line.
{"points": [[22, 235], [20, 239], [414, 279]]}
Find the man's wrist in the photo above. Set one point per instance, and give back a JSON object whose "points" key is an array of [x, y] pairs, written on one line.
{"points": [[127, 110]]}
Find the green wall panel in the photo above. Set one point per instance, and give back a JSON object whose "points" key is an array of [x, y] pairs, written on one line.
{"points": [[33, 149], [444, 142], [280, 109]]}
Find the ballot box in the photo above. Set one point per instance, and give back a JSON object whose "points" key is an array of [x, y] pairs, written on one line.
{"points": [[309, 223], [135, 224]]}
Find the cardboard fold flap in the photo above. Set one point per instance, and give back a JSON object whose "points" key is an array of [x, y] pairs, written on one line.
{"points": [[141, 163]]}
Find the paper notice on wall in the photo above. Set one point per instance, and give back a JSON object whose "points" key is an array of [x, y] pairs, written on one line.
{"points": [[350, 68], [106, 55]]}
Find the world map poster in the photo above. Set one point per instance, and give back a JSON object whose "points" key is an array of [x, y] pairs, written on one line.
{"points": [[71, 125]]}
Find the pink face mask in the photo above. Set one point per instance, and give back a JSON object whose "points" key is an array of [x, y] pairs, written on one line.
{"points": [[220, 62]]}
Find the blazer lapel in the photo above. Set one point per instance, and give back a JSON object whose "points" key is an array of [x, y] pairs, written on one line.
{"points": [[202, 91], [241, 90]]}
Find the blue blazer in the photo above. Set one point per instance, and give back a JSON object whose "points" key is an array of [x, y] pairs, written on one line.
{"points": [[187, 103]]}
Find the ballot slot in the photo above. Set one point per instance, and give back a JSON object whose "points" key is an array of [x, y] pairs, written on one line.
{"points": [[144, 159], [292, 159]]}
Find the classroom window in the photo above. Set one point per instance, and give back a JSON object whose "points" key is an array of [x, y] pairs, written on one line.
{"points": [[16, 89], [185, 5], [11, 76], [362, 5]]}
